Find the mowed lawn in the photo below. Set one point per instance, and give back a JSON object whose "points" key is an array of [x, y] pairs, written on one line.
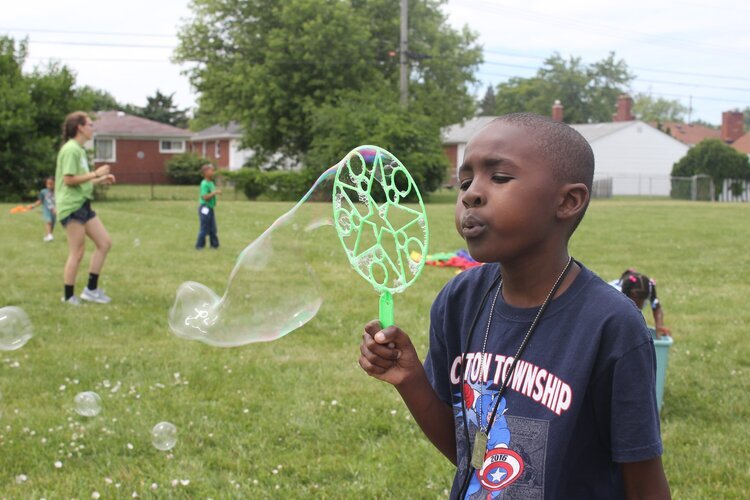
{"points": [[297, 417]]}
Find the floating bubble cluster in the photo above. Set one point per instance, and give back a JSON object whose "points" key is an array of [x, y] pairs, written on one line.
{"points": [[164, 436], [88, 404], [15, 328]]}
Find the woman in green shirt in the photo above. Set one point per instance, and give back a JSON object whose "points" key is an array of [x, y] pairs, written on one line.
{"points": [[75, 190]]}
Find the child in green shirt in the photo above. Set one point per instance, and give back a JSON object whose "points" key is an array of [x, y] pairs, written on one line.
{"points": [[207, 203]]}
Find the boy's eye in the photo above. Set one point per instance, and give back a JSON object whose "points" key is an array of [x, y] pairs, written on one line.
{"points": [[463, 185], [501, 179]]}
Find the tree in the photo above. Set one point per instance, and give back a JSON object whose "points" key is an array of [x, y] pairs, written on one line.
{"points": [[589, 93], [161, 108], [487, 105], [272, 65], [715, 158], [92, 99], [705, 124], [32, 109], [366, 118], [658, 109]]}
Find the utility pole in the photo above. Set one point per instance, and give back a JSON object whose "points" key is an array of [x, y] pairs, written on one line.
{"points": [[403, 58]]}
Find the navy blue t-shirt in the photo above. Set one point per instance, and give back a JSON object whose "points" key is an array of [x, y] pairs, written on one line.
{"points": [[581, 398]]}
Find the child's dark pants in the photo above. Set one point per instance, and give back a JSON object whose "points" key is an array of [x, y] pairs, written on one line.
{"points": [[207, 228]]}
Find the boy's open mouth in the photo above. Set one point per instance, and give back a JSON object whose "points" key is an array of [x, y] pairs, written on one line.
{"points": [[471, 226]]}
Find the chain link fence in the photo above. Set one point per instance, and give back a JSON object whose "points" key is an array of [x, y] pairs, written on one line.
{"points": [[149, 186]]}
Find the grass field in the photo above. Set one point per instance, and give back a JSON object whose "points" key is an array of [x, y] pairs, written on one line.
{"points": [[297, 417]]}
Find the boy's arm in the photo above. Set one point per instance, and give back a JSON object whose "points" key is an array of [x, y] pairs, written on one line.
{"points": [[210, 195], [390, 356], [645, 480], [206, 194]]}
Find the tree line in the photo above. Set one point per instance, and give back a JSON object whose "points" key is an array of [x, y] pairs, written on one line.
{"points": [[310, 80]]}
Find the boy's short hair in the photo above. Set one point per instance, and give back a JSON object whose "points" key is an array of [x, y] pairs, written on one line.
{"points": [[567, 153], [206, 167]]}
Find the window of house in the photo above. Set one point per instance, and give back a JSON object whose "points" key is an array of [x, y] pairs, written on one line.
{"points": [[104, 150], [217, 149], [171, 146]]}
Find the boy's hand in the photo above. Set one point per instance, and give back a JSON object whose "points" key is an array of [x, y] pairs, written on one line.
{"points": [[388, 354], [218, 191]]}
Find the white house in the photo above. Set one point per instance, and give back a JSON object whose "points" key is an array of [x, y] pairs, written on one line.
{"points": [[222, 145], [637, 157]]}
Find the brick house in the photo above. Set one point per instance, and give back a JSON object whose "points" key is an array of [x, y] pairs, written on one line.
{"points": [[136, 148]]}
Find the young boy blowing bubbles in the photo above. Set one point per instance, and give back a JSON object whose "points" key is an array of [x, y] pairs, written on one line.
{"points": [[578, 417]]}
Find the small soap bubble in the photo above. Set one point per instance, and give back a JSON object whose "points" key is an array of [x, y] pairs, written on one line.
{"points": [[88, 404], [15, 328], [164, 436]]}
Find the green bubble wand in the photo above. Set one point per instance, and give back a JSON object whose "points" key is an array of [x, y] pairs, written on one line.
{"points": [[384, 239]]}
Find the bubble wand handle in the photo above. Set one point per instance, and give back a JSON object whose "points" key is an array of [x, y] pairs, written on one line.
{"points": [[386, 309]]}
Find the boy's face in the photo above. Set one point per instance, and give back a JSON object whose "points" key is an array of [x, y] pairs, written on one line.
{"points": [[208, 173], [507, 196], [50, 184]]}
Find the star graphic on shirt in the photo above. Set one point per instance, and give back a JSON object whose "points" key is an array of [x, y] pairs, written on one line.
{"points": [[498, 475]]}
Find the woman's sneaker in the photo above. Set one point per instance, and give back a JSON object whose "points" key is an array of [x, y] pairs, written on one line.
{"points": [[96, 295], [72, 301]]}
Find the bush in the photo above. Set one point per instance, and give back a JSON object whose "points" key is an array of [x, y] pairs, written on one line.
{"points": [[185, 168], [249, 180], [714, 158], [275, 185]]}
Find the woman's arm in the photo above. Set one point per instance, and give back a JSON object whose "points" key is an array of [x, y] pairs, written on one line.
{"points": [[76, 180]]}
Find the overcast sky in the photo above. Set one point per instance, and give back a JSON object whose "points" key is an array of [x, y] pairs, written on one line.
{"points": [[677, 49]]}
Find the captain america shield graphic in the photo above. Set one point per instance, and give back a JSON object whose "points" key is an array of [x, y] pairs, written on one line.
{"points": [[501, 468]]}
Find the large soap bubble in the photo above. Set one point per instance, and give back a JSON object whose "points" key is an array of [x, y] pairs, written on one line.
{"points": [[88, 404], [15, 328], [272, 289], [164, 436]]}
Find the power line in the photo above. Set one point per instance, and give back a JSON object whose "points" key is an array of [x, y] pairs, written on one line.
{"points": [[684, 84], [103, 44], [71, 32], [651, 92], [95, 59], [613, 30], [639, 68]]}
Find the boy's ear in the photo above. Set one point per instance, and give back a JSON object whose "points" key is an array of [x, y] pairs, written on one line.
{"points": [[574, 199]]}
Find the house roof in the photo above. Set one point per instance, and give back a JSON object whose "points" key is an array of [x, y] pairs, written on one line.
{"points": [[688, 133], [595, 131], [119, 124], [232, 130], [460, 133], [742, 144]]}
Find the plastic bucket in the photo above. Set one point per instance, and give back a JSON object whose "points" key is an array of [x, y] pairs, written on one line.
{"points": [[661, 346]]}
